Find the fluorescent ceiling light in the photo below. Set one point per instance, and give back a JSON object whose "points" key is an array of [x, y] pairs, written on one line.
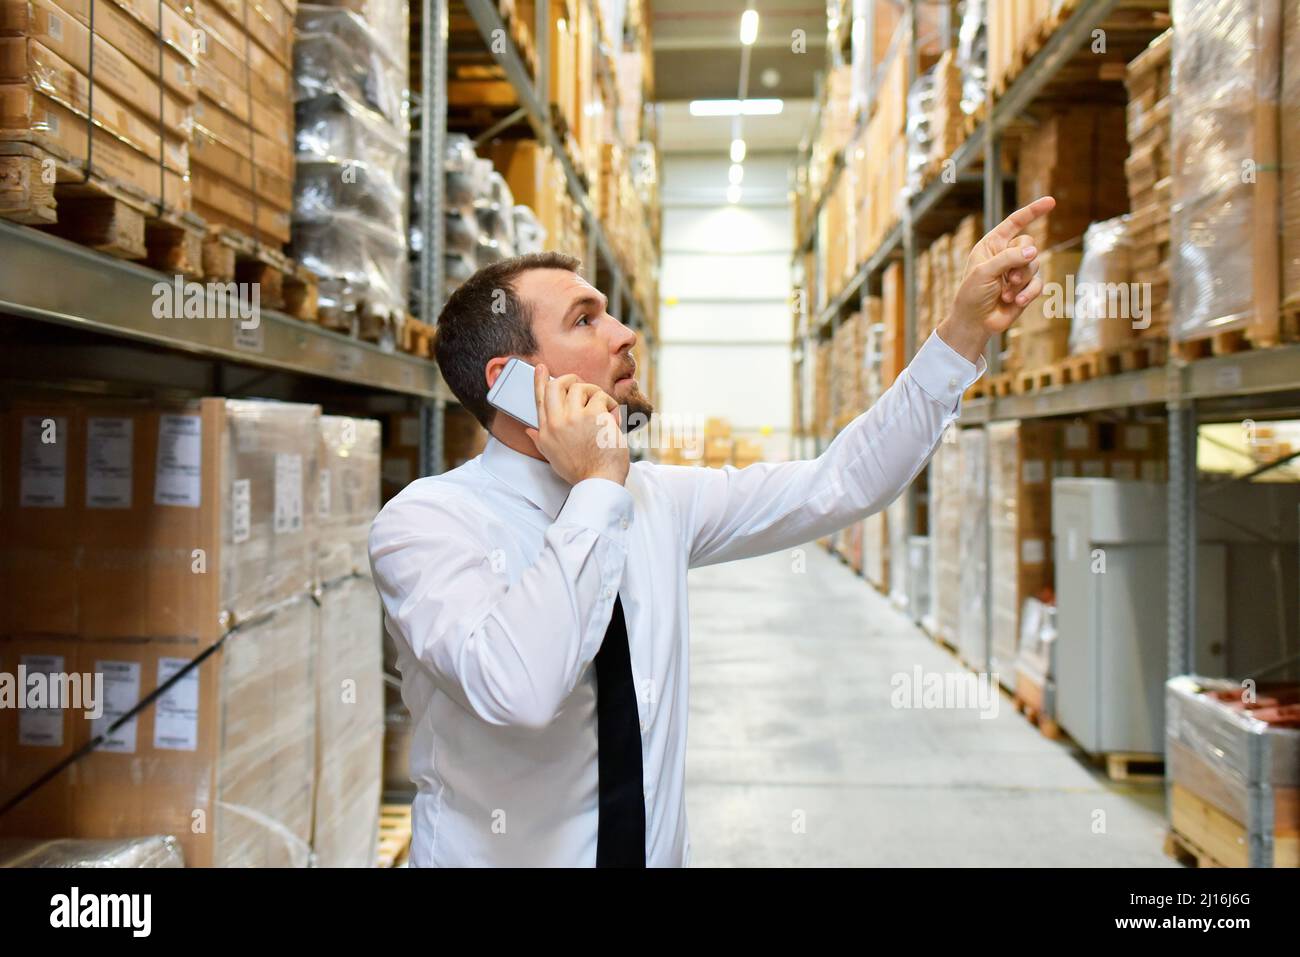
{"points": [[756, 107], [749, 27], [733, 194], [736, 174], [738, 151]]}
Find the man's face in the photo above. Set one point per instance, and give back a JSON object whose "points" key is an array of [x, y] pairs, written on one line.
{"points": [[576, 334]]}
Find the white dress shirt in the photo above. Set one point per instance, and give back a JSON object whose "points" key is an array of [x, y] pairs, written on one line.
{"points": [[498, 581]]}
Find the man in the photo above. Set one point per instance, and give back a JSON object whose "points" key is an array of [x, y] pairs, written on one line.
{"points": [[537, 594]]}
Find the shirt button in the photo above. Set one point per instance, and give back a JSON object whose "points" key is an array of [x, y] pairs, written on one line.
{"points": [[623, 523], [609, 593], [952, 384], [644, 725]]}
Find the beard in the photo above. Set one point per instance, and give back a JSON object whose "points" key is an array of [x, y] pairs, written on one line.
{"points": [[637, 409]]}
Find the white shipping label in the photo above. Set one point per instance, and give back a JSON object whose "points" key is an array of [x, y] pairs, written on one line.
{"points": [[41, 727], [1033, 472], [323, 494], [56, 28], [1063, 468], [288, 493], [408, 431], [176, 714], [241, 510], [108, 462], [1137, 438], [1076, 436], [179, 475], [43, 482], [121, 694], [1032, 551]]}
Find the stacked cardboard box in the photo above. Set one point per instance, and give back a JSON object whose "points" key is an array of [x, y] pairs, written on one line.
{"points": [[1076, 154], [1148, 168], [947, 121], [1041, 336], [185, 538], [1233, 762], [140, 142], [925, 284], [822, 408], [352, 145], [243, 146], [1289, 150], [1224, 221], [846, 384], [972, 631], [946, 509], [1020, 529], [893, 314]]}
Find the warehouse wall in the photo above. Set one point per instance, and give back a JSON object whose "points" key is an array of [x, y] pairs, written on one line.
{"points": [[725, 287]]}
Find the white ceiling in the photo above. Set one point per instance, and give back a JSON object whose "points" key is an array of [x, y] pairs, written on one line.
{"points": [[682, 133]]}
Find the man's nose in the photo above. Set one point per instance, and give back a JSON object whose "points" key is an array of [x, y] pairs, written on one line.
{"points": [[623, 336]]}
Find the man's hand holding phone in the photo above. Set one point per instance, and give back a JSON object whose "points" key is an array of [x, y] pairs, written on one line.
{"points": [[571, 415]]}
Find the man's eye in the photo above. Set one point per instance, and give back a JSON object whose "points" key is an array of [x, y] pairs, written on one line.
{"points": [[582, 319]]}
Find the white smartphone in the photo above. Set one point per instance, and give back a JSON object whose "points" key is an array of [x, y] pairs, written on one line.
{"points": [[513, 392]]}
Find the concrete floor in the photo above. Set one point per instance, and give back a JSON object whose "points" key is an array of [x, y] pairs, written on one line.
{"points": [[798, 758]]}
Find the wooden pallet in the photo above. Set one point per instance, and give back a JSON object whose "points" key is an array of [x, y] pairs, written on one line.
{"points": [[43, 186], [1132, 356], [394, 834], [1186, 851], [1216, 839], [1045, 724], [1134, 766], [416, 338], [230, 255]]}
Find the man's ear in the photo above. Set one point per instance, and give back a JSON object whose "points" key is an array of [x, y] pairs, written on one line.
{"points": [[493, 369]]}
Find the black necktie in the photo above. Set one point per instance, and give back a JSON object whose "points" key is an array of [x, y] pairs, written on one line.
{"points": [[620, 838]]}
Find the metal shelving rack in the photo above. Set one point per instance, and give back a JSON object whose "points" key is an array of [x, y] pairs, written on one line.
{"points": [[1261, 383], [603, 268]]}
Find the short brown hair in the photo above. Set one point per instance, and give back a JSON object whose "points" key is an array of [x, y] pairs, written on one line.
{"points": [[485, 318]]}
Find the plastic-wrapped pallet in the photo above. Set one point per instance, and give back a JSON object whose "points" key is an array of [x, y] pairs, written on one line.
{"points": [[945, 538], [1105, 312], [1224, 219], [899, 566], [133, 852], [1020, 519], [1235, 766], [972, 55], [972, 634], [349, 216], [918, 577]]}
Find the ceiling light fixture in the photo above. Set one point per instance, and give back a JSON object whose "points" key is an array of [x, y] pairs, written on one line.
{"points": [[756, 107], [749, 27], [733, 194], [738, 150], [736, 174]]}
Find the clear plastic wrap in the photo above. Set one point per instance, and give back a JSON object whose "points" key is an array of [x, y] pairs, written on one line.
{"points": [[339, 129], [1240, 757], [324, 190], [268, 486], [348, 496], [920, 133], [1223, 221], [350, 724], [972, 54], [972, 635], [918, 577], [363, 267], [336, 51], [530, 237], [1104, 313], [134, 852], [351, 194], [945, 537]]}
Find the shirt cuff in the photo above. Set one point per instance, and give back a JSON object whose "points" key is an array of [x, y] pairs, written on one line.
{"points": [[942, 372], [601, 505]]}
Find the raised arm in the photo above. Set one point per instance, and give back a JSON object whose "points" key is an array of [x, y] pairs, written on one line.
{"points": [[735, 513]]}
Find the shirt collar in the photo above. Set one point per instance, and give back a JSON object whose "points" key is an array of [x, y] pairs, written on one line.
{"points": [[532, 478]]}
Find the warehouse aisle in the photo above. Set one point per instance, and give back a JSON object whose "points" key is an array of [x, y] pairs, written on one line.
{"points": [[797, 758]]}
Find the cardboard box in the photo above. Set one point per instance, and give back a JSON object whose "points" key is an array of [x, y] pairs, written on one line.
{"points": [[139, 40], [347, 497], [272, 150], [220, 200], [68, 37], [224, 760], [113, 159], [210, 155], [28, 61]]}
